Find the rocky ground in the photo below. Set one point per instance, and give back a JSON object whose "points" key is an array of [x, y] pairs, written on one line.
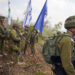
{"points": [[28, 65]]}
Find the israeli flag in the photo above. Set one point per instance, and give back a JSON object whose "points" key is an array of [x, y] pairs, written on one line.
{"points": [[9, 10], [28, 16]]}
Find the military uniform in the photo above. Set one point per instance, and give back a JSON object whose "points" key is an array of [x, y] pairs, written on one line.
{"points": [[14, 44], [66, 53], [33, 41], [26, 36], [2, 34], [66, 47]]}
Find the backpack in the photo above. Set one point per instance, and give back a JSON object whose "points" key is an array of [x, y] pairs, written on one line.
{"points": [[50, 49]]}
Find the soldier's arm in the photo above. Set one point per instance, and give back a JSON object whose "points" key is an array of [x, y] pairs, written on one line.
{"points": [[66, 55], [37, 38], [14, 36], [2, 35]]}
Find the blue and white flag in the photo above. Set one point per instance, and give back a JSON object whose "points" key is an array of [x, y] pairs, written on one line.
{"points": [[9, 18], [28, 16], [40, 21]]}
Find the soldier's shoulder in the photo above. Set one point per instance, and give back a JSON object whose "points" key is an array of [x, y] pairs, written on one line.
{"points": [[66, 39], [12, 31]]}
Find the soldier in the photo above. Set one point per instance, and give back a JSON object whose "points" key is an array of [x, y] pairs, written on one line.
{"points": [[26, 36], [59, 33], [67, 56], [2, 34], [14, 43], [33, 40]]}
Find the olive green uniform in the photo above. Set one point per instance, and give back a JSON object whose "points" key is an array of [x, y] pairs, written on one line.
{"points": [[2, 36], [33, 40], [26, 36], [66, 53], [14, 43]]}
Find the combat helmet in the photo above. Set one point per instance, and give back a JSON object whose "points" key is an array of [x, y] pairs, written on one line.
{"points": [[35, 30], [70, 22], [15, 25], [2, 19], [26, 28]]}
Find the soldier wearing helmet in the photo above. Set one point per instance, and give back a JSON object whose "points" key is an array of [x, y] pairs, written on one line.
{"points": [[33, 40], [59, 33], [15, 25], [26, 28], [26, 37], [67, 56], [2, 34], [14, 43], [70, 22], [2, 20]]}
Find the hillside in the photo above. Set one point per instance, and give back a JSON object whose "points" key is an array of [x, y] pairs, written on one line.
{"points": [[28, 65]]}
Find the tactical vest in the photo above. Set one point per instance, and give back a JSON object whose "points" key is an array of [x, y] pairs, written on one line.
{"points": [[26, 35], [50, 49]]}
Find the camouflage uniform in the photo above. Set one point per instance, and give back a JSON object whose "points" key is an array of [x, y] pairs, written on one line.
{"points": [[33, 40], [14, 44], [66, 51], [66, 45], [2, 34], [26, 36]]}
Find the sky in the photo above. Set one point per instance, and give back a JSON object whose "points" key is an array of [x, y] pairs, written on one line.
{"points": [[58, 10]]}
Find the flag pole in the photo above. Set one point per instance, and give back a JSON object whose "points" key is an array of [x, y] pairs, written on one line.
{"points": [[9, 10]]}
